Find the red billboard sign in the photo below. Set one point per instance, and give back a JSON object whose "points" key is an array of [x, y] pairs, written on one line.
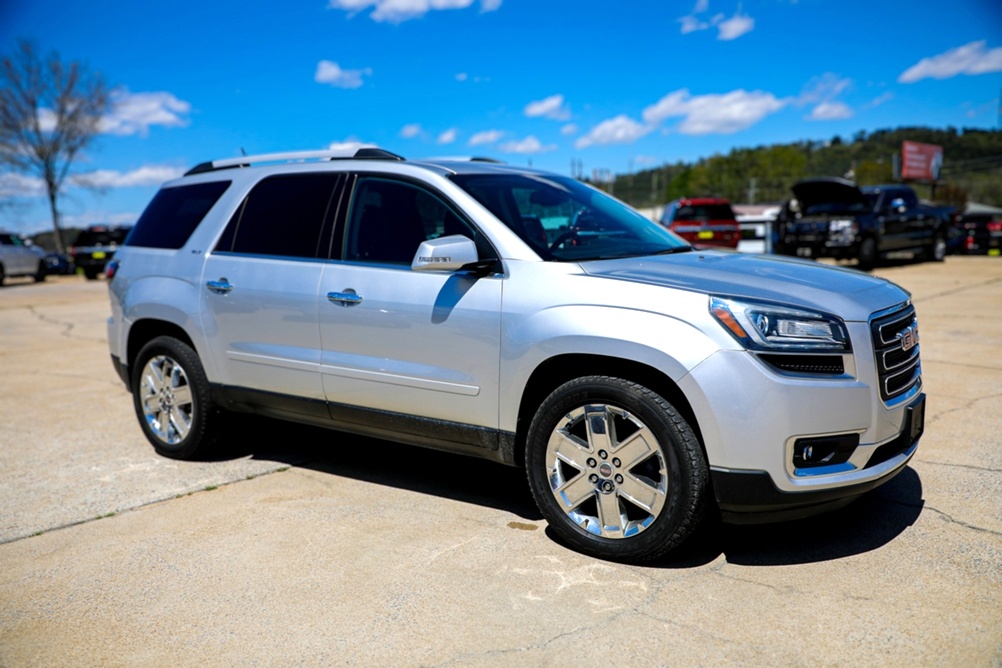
{"points": [[920, 162]]}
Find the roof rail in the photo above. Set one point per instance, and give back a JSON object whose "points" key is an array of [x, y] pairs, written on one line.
{"points": [[363, 153]]}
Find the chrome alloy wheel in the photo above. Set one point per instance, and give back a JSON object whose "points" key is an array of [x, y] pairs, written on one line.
{"points": [[166, 399], [607, 471]]}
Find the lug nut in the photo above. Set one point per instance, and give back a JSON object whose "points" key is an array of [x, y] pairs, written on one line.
{"points": [[619, 479], [592, 463], [616, 462], [603, 454], [608, 486], [593, 477]]}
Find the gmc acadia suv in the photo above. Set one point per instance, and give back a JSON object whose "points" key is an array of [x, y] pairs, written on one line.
{"points": [[519, 316]]}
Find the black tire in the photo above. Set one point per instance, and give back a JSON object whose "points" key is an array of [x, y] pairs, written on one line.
{"points": [[868, 253], [3, 275], [91, 273], [172, 399], [40, 273], [937, 250], [657, 493]]}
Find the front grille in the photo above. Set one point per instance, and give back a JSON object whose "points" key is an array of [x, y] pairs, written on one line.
{"points": [[898, 369]]}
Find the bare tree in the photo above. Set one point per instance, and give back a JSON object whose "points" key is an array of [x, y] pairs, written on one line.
{"points": [[49, 112]]}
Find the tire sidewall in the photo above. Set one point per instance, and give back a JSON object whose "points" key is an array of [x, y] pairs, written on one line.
{"points": [[197, 439], [687, 477]]}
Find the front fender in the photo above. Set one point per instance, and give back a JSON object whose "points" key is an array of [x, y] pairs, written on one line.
{"points": [[662, 342]]}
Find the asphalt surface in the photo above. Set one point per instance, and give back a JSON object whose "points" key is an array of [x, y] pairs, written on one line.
{"points": [[300, 546]]}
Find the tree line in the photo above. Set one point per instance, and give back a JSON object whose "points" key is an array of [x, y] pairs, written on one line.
{"points": [[972, 168]]}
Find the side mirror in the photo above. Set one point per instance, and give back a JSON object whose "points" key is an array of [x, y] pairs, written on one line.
{"points": [[450, 253], [898, 204]]}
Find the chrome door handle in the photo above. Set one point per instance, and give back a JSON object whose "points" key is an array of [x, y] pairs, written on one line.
{"points": [[222, 286], [346, 298]]}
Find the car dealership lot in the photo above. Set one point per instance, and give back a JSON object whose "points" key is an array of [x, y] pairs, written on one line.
{"points": [[304, 546]]}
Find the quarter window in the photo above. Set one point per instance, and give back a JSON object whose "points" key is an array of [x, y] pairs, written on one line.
{"points": [[174, 213]]}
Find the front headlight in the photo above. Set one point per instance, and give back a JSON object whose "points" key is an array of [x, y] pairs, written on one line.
{"points": [[770, 327]]}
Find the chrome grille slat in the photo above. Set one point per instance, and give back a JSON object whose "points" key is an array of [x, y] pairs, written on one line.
{"points": [[898, 370]]}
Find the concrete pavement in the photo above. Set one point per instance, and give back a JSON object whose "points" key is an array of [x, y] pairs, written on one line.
{"points": [[308, 547]]}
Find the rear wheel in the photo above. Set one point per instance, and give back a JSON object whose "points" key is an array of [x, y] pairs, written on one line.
{"points": [[937, 250], [173, 400], [91, 273], [868, 253], [40, 272], [615, 469]]}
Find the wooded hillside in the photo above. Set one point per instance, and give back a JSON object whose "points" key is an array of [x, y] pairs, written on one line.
{"points": [[972, 168]]}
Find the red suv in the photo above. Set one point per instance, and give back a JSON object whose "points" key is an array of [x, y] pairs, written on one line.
{"points": [[703, 221]]}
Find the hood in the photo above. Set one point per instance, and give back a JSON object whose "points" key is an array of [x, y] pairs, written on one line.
{"points": [[827, 191], [848, 293]]}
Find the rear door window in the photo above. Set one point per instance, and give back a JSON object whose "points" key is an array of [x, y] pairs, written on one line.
{"points": [[284, 216]]}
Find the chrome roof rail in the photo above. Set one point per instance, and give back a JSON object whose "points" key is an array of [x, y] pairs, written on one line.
{"points": [[363, 153]]}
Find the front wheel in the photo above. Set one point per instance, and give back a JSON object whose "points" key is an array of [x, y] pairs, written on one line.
{"points": [[615, 469], [173, 400], [868, 253], [40, 273], [937, 251]]}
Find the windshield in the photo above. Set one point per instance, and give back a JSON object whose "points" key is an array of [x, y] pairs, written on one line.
{"points": [[705, 212], [565, 220]]}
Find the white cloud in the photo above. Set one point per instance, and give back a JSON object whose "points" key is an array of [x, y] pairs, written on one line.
{"points": [[551, 107], [397, 11], [447, 137], [969, 59], [701, 6], [349, 144], [462, 76], [692, 24], [714, 114], [148, 175], [329, 72], [880, 99], [569, 129], [734, 27], [410, 131], [821, 92], [830, 111], [619, 130], [485, 137], [526, 146], [18, 185], [134, 113]]}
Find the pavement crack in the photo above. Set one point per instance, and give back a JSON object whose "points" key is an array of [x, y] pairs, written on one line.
{"points": [[967, 525], [972, 467], [962, 288]]}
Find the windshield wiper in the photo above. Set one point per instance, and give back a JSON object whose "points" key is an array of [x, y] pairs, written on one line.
{"points": [[679, 249]]}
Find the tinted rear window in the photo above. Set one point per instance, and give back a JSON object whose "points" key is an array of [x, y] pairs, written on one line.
{"points": [[101, 237], [705, 212], [174, 214]]}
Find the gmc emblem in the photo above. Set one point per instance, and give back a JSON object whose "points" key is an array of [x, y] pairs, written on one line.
{"points": [[909, 337]]}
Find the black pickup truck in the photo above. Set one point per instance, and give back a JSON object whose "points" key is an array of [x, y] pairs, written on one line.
{"points": [[833, 217]]}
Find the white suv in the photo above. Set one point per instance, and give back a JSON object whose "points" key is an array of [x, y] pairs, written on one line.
{"points": [[519, 316]]}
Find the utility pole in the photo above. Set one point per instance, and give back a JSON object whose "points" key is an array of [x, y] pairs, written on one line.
{"points": [[752, 183]]}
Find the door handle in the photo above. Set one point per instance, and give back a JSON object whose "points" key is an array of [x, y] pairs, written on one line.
{"points": [[346, 298], [221, 287]]}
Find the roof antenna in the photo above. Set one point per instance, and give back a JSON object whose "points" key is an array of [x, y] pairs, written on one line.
{"points": [[243, 152]]}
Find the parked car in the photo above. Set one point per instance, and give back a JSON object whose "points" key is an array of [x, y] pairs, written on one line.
{"points": [[704, 222], [833, 217], [58, 264], [977, 233], [19, 257], [95, 247], [520, 316]]}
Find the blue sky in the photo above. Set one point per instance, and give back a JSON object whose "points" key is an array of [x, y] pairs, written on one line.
{"points": [[604, 85]]}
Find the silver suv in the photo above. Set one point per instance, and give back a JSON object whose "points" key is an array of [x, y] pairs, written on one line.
{"points": [[20, 258], [519, 316]]}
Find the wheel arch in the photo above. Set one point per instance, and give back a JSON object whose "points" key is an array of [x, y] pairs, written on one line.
{"points": [[556, 371], [143, 331]]}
